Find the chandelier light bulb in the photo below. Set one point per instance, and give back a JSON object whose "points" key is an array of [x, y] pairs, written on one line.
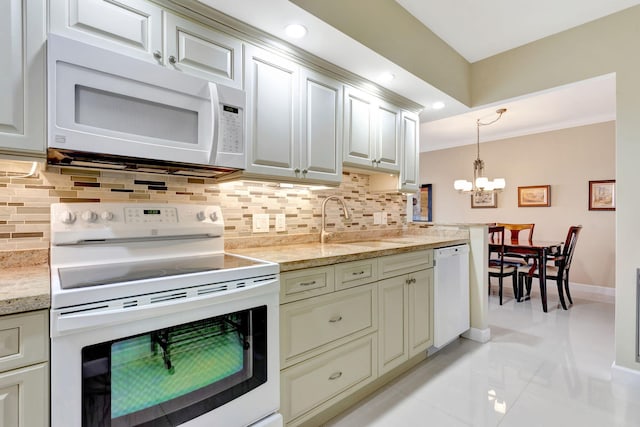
{"points": [[481, 183]]}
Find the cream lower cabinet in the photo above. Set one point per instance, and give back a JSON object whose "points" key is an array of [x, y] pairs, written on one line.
{"points": [[24, 371], [405, 308], [342, 326]]}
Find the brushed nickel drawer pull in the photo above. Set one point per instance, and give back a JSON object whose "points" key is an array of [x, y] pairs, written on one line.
{"points": [[335, 319], [313, 282], [335, 375], [357, 273]]}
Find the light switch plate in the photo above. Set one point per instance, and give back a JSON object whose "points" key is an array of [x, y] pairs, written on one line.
{"points": [[260, 223], [281, 224]]}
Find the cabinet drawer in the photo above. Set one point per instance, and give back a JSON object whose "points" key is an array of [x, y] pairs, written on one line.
{"points": [[24, 397], [24, 339], [326, 321], [310, 282], [355, 273], [395, 265], [327, 378]]}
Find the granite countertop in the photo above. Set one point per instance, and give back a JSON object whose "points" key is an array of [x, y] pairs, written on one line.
{"points": [[306, 255], [24, 281], [25, 277]]}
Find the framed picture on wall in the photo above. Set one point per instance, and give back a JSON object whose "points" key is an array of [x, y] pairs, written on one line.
{"points": [[602, 195], [534, 196], [484, 200]]}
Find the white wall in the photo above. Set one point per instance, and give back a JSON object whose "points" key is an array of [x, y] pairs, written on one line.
{"points": [[567, 160]]}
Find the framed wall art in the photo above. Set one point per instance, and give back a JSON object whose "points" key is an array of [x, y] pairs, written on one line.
{"points": [[602, 195], [484, 200], [534, 196]]}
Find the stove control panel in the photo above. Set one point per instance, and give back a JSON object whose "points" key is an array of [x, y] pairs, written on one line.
{"points": [[85, 222]]}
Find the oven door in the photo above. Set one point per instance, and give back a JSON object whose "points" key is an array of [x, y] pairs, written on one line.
{"points": [[209, 361]]}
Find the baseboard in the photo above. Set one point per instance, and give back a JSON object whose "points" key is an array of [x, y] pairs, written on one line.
{"points": [[592, 289], [624, 375], [478, 335]]}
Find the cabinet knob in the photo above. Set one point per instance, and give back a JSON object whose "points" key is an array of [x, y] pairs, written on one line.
{"points": [[335, 319], [157, 54], [304, 171], [172, 60], [296, 170]]}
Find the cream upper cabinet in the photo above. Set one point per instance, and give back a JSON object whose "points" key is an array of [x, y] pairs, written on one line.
{"points": [[293, 122], [371, 132], [321, 127], [22, 85], [198, 50], [132, 27], [143, 30], [273, 111], [410, 170]]}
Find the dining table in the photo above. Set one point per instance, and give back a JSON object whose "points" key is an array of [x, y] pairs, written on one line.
{"points": [[539, 250]]}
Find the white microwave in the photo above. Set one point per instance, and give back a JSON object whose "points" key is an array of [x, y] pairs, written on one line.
{"points": [[113, 111]]}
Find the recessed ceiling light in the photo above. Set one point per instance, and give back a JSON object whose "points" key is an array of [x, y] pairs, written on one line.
{"points": [[437, 105], [386, 77], [296, 31]]}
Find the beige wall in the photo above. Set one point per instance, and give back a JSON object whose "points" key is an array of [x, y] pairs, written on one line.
{"points": [[610, 44], [565, 159]]}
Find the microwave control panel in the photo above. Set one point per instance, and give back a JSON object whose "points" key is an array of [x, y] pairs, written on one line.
{"points": [[231, 129]]}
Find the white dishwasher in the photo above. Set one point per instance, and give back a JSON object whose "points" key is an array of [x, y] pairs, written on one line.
{"points": [[451, 294]]}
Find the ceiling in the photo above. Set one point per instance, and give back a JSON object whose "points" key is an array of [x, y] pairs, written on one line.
{"points": [[474, 29]]}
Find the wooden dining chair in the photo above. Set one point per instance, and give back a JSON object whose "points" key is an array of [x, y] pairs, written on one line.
{"points": [[557, 268], [514, 230], [497, 267]]}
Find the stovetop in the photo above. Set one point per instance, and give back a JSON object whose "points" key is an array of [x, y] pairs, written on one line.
{"points": [[96, 275]]}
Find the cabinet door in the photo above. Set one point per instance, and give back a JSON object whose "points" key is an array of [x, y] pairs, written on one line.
{"points": [[410, 170], [201, 51], [132, 27], [387, 154], [392, 329], [359, 128], [24, 397], [420, 311], [321, 124], [22, 85], [273, 135]]}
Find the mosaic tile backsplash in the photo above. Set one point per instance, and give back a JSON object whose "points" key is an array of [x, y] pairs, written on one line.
{"points": [[25, 201]]}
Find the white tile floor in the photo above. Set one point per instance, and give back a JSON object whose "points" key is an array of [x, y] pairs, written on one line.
{"points": [[539, 369]]}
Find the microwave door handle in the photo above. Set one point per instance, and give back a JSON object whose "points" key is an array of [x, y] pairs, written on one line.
{"points": [[215, 121]]}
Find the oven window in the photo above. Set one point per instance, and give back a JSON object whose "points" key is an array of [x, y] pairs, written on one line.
{"points": [[169, 376]]}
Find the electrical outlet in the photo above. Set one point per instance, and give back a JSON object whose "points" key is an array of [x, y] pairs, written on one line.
{"points": [[260, 223], [281, 224], [377, 218]]}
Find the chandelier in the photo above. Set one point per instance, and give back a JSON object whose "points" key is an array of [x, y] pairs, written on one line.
{"points": [[481, 184]]}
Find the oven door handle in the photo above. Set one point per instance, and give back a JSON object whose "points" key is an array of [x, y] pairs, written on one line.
{"points": [[67, 321]]}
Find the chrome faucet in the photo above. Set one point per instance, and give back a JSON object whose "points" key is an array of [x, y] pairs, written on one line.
{"points": [[323, 232]]}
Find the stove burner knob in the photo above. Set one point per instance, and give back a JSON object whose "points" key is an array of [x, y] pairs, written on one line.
{"points": [[67, 217], [107, 216], [201, 216], [213, 216], [89, 216]]}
